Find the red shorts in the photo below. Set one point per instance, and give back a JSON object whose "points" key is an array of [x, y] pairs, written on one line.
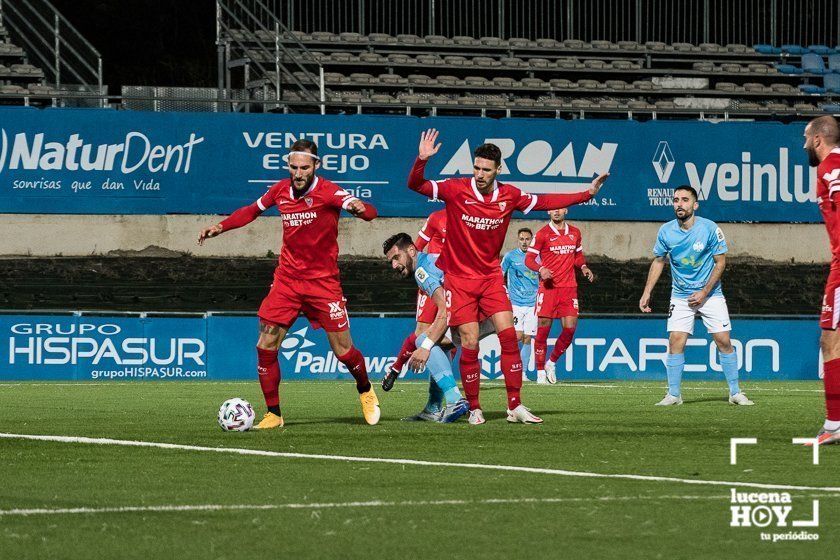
{"points": [[555, 303], [830, 315], [426, 308], [469, 300], [320, 299]]}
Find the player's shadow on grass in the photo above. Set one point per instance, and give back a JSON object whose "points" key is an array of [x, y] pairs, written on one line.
{"points": [[705, 400], [348, 420]]}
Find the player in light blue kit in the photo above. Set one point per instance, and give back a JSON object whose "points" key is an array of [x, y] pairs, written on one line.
{"points": [[697, 250], [404, 257], [522, 284]]}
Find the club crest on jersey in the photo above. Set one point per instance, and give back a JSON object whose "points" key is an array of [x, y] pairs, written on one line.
{"points": [[698, 246], [308, 201], [502, 206]]}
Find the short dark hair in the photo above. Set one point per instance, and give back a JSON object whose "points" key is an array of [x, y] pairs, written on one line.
{"points": [[489, 151], [525, 230], [688, 188], [304, 145], [401, 240]]}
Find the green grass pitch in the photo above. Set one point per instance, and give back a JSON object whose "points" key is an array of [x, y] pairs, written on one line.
{"points": [[322, 508]]}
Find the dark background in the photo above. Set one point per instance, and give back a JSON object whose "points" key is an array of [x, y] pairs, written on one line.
{"points": [[149, 42]]}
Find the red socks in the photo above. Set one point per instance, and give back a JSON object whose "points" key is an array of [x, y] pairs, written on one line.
{"points": [[470, 375], [355, 362], [540, 347], [409, 345], [269, 375], [831, 381], [511, 366], [563, 342]]}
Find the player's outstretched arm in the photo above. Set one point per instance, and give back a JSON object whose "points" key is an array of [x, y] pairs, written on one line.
{"points": [[363, 210], [239, 218], [656, 267], [429, 145], [559, 200]]}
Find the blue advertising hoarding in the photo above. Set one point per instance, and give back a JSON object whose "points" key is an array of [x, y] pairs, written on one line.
{"points": [[123, 162], [220, 347]]}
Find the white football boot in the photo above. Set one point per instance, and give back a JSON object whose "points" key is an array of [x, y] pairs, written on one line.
{"points": [[670, 400], [740, 399], [523, 415], [541, 380], [476, 417], [550, 374]]}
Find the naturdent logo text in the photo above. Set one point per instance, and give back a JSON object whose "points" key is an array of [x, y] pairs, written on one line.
{"points": [[537, 158], [31, 152]]}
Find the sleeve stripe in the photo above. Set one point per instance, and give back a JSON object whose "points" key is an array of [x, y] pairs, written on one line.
{"points": [[533, 203], [347, 202], [579, 249], [833, 190], [532, 250], [423, 235], [260, 204], [834, 183], [434, 189]]}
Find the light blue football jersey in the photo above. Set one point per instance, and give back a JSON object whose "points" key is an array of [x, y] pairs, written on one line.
{"points": [[427, 275], [691, 253], [522, 282]]}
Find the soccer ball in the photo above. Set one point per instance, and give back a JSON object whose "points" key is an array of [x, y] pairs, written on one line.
{"points": [[236, 415]]}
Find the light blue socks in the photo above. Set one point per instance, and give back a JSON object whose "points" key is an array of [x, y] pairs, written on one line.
{"points": [[440, 370], [729, 363], [674, 366]]}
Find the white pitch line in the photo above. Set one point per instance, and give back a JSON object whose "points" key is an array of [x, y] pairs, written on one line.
{"points": [[332, 505], [415, 462]]}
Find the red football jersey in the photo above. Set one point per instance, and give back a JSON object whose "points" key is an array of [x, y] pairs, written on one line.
{"points": [[828, 184], [310, 226], [476, 224], [559, 251], [432, 235]]}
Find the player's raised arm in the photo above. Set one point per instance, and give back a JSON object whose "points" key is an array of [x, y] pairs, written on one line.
{"points": [[417, 177], [242, 216]]}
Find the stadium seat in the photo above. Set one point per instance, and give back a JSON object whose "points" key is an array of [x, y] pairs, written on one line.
{"points": [[409, 39], [758, 68], [813, 63], [726, 86], [616, 84], [13, 89], [350, 37], [581, 103], [514, 62], [788, 69], [607, 104], [782, 88], [834, 62], [478, 81], [685, 47], [755, 88], [655, 46], [830, 108], [429, 59], [361, 78], [381, 38], [709, 47], [703, 66], [665, 105], [492, 42], [547, 44], [446, 80], [539, 63], [381, 98], [464, 41], [437, 40], [637, 104], [560, 83], [624, 65], [831, 82], [324, 36], [486, 61], [25, 70], [519, 43], [804, 107], [643, 85], [392, 79], [566, 63], [737, 48], [629, 46], [820, 49], [588, 84], [456, 61], [419, 80], [372, 58], [811, 89], [503, 82], [533, 83], [794, 49], [340, 56], [767, 49], [731, 68], [594, 63], [749, 106], [573, 44], [777, 106]]}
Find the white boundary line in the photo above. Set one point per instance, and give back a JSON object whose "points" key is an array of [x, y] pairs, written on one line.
{"points": [[416, 462]]}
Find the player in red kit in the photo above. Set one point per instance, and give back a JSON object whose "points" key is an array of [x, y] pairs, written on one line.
{"points": [[306, 278], [478, 212], [822, 136], [558, 247], [431, 237]]}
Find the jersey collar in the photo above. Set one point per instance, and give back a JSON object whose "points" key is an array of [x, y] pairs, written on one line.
{"points": [[309, 190], [835, 150], [555, 230], [493, 196]]}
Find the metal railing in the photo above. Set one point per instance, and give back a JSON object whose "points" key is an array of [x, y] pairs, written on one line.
{"points": [[68, 59], [241, 29], [777, 22]]}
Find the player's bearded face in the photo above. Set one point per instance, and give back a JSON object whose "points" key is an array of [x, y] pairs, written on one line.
{"points": [[484, 172], [558, 215], [684, 205], [400, 261], [813, 159], [302, 171]]}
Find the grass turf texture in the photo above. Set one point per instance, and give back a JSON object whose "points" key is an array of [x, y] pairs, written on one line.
{"points": [[603, 428]]}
